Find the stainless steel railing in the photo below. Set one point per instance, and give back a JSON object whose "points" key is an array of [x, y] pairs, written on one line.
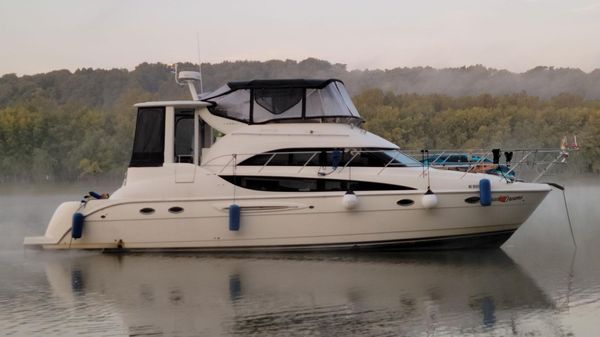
{"points": [[542, 160]]}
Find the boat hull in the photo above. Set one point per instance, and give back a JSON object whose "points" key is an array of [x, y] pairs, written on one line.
{"points": [[296, 223], [487, 240]]}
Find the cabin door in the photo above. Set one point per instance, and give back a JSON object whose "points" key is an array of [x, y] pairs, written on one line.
{"points": [[185, 135]]}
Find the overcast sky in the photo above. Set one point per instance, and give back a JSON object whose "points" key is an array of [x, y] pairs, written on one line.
{"points": [[39, 36]]}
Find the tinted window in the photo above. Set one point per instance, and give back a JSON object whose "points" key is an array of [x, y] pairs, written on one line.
{"points": [[257, 160], [369, 159], [327, 157], [287, 184], [149, 141], [184, 137], [285, 158]]}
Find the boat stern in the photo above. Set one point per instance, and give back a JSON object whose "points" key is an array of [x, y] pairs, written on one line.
{"points": [[58, 227]]}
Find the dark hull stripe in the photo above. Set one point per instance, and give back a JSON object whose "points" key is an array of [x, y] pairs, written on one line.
{"points": [[467, 241]]}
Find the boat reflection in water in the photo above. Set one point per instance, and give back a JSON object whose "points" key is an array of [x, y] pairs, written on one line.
{"points": [[307, 294]]}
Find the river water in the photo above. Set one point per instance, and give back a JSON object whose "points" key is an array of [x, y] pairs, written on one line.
{"points": [[536, 285]]}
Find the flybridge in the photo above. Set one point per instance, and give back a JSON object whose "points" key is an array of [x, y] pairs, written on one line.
{"points": [[292, 100]]}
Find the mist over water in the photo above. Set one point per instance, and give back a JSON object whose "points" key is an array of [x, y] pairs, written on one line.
{"points": [[536, 285], [26, 209]]}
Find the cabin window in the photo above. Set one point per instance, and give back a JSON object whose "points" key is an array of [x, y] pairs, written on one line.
{"points": [[149, 140], [378, 158], [278, 100], [206, 138], [325, 157], [184, 136], [288, 184]]}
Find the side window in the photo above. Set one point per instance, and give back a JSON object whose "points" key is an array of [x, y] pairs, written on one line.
{"points": [[293, 157], [257, 160], [149, 142], [184, 136], [289, 184], [331, 157]]}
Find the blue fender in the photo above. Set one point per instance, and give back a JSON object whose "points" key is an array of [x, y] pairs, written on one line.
{"points": [[234, 217], [77, 225], [485, 192]]}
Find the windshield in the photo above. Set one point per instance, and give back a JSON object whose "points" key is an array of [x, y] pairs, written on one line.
{"points": [[400, 159]]}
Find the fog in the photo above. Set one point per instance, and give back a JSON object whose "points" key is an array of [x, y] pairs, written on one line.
{"points": [[544, 82], [26, 209], [541, 81]]}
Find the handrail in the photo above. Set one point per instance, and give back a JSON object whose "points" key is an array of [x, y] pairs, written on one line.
{"points": [[521, 156], [308, 161], [268, 161], [551, 157], [389, 162], [312, 154]]}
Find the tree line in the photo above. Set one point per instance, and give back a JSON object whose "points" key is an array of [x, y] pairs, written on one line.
{"points": [[71, 125], [513, 121]]}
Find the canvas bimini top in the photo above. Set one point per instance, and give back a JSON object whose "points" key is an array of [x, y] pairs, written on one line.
{"points": [[264, 101]]}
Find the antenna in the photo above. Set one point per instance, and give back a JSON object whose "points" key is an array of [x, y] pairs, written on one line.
{"points": [[176, 72], [199, 61]]}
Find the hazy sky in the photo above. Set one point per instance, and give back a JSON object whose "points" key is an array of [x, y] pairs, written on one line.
{"points": [[38, 36]]}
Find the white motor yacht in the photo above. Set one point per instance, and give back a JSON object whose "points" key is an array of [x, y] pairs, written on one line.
{"points": [[283, 165]]}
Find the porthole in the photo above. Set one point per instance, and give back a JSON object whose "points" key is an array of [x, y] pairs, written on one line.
{"points": [[176, 210], [405, 202], [472, 200], [147, 210]]}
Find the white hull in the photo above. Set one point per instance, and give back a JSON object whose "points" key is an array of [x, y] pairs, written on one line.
{"points": [[287, 222]]}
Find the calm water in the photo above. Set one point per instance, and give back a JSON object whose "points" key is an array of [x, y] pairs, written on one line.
{"points": [[535, 286]]}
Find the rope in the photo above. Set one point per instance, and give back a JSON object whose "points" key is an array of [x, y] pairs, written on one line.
{"points": [[567, 211], [234, 175], [569, 218], [428, 175]]}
